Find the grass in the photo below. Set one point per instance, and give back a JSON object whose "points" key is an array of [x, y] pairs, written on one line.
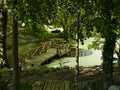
{"points": [[21, 49]]}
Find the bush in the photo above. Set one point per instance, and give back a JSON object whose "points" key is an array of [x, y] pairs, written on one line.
{"points": [[26, 85]]}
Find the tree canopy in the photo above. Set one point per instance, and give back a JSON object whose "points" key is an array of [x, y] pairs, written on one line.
{"points": [[83, 18]]}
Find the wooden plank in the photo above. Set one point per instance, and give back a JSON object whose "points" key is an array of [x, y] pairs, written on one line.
{"points": [[42, 54], [36, 51], [43, 57], [52, 85]]}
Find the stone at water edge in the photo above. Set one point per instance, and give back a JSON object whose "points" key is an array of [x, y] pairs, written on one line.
{"points": [[114, 87]]}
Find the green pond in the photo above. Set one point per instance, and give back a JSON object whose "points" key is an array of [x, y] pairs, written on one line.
{"points": [[87, 57]]}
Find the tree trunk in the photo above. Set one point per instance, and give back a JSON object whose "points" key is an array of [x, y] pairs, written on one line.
{"points": [[4, 37], [65, 28], [1, 33], [65, 33], [108, 51], [77, 54], [15, 47], [77, 43], [118, 55], [119, 60]]}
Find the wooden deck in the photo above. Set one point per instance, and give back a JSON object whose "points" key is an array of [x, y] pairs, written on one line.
{"points": [[51, 85]]}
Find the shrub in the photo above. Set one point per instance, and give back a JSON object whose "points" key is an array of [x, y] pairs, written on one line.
{"points": [[26, 85]]}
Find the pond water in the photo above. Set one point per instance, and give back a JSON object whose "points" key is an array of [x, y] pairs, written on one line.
{"points": [[87, 57]]}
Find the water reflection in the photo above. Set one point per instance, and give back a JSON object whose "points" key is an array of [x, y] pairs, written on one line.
{"points": [[91, 58], [86, 57], [82, 52]]}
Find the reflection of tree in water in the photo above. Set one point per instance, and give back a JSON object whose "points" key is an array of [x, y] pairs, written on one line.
{"points": [[85, 53], [82, 52]]}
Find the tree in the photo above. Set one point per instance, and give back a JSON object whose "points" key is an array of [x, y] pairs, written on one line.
{"points": [[4, 36], [15, 47], [3, 31], [106, 15], [35, 14], [74, 17], [118, 53]]}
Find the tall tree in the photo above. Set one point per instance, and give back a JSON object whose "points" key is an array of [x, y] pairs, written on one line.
{"points": [[118, 55], [15, 46], [117, 50], [106, 18], [3, 31], [4, 35], [77, 42], [75, 17]]}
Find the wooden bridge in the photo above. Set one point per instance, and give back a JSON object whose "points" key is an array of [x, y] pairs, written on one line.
{"points": [[43, 53]]}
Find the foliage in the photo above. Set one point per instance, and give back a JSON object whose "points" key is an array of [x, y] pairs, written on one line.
{"points": [[26, 84], [32, 17], [106, 22], [74, 16], [68, 11], [97, 43]]}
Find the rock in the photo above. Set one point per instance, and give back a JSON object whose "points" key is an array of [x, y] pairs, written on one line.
{"points": [[93, 70], [66, 67], [114, 87]]}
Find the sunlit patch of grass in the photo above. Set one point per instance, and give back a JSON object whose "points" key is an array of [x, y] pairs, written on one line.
{"points": [[21, 49]]}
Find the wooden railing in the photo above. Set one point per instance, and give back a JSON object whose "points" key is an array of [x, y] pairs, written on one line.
{"points": [[63, 49], [35, 51]]}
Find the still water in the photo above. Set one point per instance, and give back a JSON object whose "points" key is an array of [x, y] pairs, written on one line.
{"points": [[87, 57]]}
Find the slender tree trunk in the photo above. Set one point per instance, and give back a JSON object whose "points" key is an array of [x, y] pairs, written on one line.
{"points": [[15, 47], [65, 32], [119, 59], [4, 36], [77, 54], [108, 51], [65, 28], [77, 42], [1, 32], [118, 55]]}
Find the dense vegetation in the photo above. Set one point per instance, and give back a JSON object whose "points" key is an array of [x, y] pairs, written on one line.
{"points": [[27, 21]]}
